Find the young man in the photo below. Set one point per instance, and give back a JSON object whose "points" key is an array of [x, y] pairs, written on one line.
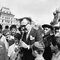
{"points": [[13, 29], [48, 37], [14, 49]]}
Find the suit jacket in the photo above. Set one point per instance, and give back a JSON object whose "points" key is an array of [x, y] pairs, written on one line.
{"points": [[34, 36]]}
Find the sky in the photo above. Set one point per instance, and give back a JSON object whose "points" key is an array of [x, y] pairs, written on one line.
{"points": [[40, 11]]}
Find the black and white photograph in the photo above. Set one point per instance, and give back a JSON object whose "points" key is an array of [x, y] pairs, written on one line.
{"points": [[29, 29]]}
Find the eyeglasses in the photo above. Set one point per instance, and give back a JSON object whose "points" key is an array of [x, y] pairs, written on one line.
{"points": [[24, 25]]}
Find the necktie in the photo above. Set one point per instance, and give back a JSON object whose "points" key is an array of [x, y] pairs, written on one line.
{"points": [[24, 37]]}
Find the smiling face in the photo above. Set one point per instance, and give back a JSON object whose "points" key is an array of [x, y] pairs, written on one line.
{"points": [[13, 31]]}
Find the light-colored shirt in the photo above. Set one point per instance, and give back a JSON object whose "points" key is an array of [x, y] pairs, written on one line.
{"points": [[11, 51]]}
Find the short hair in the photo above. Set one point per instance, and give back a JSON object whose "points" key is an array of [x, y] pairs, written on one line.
{"points": [[13, 26], [6, 27], [17, 36], [27, 18], [0, 26]]}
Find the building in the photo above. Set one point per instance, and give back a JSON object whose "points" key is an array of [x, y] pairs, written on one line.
{"points": [[7, 18]]}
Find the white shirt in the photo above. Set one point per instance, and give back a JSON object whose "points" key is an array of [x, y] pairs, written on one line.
{"points": [[11, 51]]}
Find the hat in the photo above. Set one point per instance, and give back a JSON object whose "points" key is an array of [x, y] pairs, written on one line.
{"points": [[48, 26], [25, 20]]}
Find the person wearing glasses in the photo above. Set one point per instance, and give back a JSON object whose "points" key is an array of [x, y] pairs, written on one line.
{"points": [[31, 34]]}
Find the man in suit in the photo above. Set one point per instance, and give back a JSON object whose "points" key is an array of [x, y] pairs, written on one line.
{"points": [[31, 35]]}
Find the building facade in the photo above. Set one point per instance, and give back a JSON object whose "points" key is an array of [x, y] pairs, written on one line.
{"points": [[7, 18]]}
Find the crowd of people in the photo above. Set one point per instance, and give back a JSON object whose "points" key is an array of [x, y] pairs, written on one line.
{"points": [[30, 41]]}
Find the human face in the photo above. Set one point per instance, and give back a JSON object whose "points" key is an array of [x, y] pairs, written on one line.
{"points": [[16, 41], [26, 24], [13, 31], [46, 30]]}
